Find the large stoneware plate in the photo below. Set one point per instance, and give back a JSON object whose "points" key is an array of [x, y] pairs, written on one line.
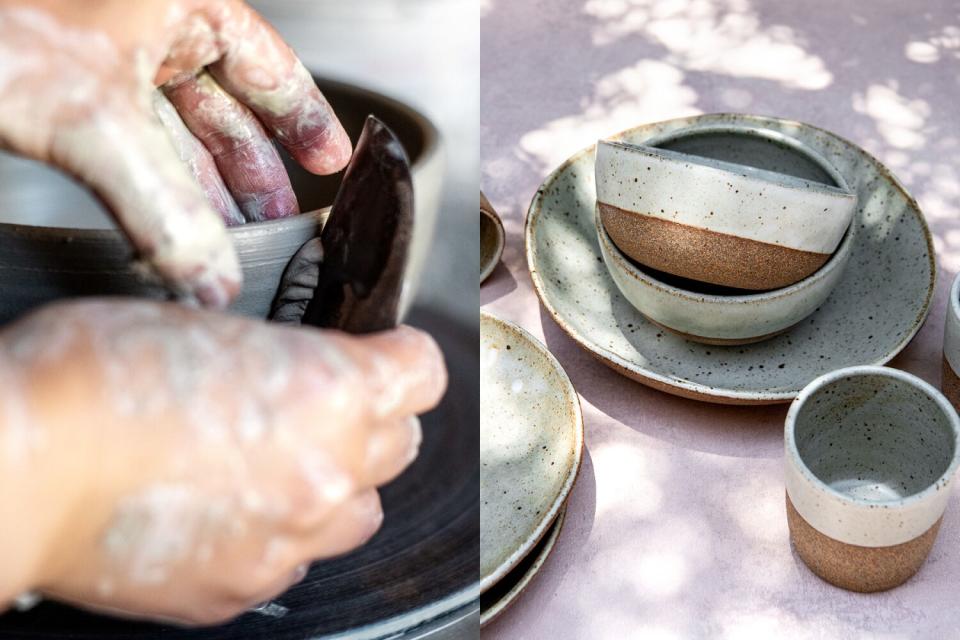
{"points": [[877, 308], [531, 437]]}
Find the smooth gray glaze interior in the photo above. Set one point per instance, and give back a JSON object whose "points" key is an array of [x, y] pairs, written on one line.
{"points": [[56, 242], [752, 151], [874, 437]]}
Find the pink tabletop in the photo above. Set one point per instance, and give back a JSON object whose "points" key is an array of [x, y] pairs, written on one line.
{"points": [[676, 527]]}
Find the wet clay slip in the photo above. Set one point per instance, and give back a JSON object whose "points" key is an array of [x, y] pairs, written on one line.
{"points": [[696, 212], [82, 255], [870, 458]]}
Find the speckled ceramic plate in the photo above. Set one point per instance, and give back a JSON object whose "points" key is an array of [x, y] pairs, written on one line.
{"points": [[531, 437], [876, 309], [504, 593]]}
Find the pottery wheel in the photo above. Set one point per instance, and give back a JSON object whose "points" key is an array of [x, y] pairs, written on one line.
{"points": [[417, 578]]}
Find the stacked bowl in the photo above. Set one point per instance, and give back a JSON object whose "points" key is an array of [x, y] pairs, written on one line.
{"points": [[725, 234]]}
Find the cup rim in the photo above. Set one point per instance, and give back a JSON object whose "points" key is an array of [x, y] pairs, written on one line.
{"points": [[836, 261], [848, 372]]}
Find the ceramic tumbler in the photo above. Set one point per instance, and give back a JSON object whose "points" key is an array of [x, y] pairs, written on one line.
{"points": [[870, 458]]}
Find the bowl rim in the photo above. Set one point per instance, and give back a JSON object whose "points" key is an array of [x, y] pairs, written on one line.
{"points": [[838, 260], [844, 373], [751, 131], [431, 148], [740, 172]]}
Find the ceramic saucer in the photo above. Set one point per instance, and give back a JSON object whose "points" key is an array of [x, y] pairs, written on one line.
{"points": [[876, 309], [531, 438], [504, 593]]}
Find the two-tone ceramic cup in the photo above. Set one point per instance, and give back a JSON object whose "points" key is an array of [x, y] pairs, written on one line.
{"points": [[950, 370], [870, 458], [731, 205]]}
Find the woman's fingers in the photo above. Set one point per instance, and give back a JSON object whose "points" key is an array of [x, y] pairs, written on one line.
{"points": [[249, 163], [198, 160], [403, 369], [352, 524], [391, 448], [127, 157], [260, 69]]}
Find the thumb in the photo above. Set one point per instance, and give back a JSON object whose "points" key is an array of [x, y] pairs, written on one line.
{"points": [[125, 155]]}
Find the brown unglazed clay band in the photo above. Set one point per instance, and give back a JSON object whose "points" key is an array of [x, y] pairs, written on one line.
{"points": [[701, 254], [856, 568], [950, 383]]}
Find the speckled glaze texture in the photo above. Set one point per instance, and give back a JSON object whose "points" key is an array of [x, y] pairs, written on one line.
{"points": [[950, 381], [506, 592], [877, 307], [704, 218], [721, 319], [531, 438], [492, 238], [870, 458]]}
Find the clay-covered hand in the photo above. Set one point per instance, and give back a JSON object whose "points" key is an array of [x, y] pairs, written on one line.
{"points": [[77, 89], [177, 464]]}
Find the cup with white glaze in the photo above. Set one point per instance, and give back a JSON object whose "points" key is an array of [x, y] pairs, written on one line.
{"points": [[950, 368], [728, 205], [870, 458]]}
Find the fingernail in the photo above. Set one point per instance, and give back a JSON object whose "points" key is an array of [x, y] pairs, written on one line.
{"points": [[416, 438], [369, 511], [299, 573]]}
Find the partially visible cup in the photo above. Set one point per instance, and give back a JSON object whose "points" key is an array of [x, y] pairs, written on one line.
{"points": [[950, 379], [492, 238], [870, 458]]}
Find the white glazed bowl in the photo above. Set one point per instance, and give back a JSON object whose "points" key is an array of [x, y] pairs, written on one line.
{"points": [[714, 317], [703, 212]]}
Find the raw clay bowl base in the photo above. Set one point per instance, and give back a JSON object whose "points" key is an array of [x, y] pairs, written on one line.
{"points": [[79, 253]]}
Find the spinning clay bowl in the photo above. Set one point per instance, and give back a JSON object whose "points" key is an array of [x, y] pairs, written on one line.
{"points": [[57, 242]]}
